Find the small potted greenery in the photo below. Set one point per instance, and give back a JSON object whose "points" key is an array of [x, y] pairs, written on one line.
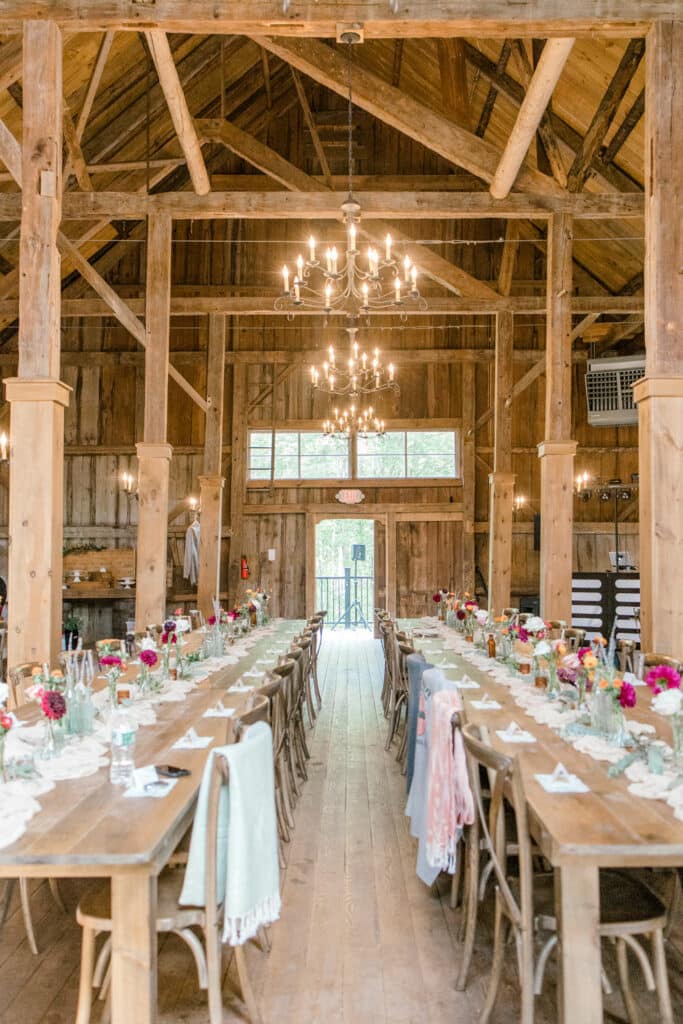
{"points": [[71, 630]]}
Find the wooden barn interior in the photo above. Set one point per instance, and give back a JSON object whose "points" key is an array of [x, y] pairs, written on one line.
{"points": [[160, 163]]}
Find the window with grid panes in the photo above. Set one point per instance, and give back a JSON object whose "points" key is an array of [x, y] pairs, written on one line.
{"points": [[409, 455], [299, 455]]}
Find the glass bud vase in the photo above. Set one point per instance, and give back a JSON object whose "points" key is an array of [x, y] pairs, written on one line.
{"points": [[50, 746], [677, 740], [2, 756], [607, 717]]}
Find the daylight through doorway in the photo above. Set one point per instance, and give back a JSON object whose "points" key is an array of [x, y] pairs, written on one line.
{"points": [[345, 572]]}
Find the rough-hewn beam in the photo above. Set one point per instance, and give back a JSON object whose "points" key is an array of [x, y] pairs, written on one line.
{"points": [[10, 154], [602, 119], [311, 125], [428, 19], [492, 94], [632, 118], [178, 109], [93, 83], [76, 163], [508, 258], [121, 311], [310, 201], [400, 110], [545, 78], [10, 63]]}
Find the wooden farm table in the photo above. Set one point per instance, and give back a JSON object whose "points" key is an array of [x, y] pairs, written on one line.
{"points": [[87, 828], [580, 833]]}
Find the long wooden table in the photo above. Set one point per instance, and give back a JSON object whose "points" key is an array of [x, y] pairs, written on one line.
{"points": [[580, 833], [87, 828]]}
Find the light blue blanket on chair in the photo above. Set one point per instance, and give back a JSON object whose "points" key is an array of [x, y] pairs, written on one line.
{"points": [[248, 872]]}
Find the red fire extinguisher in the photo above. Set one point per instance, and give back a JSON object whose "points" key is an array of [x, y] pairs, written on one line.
{"points": [[244, 568]]}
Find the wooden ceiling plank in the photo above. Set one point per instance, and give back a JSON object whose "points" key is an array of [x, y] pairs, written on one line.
{"points": [[604, 115], [543, 81], [177, 106], [401, 111], [545, 128], [492, 94], [453, 75], [311, 125]]}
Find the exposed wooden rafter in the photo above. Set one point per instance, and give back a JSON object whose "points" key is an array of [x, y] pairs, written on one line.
{"points": [[541, 85], [178, 109], [602, 119], [492, 94], [546, 133]]}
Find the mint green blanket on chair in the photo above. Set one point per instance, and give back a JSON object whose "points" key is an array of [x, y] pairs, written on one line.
{"points": [[248, 872]]}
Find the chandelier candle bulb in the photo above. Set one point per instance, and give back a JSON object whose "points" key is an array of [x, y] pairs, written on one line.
{"points": [[397, 288], [388, 248], [413, 277], [391, 372], [311, 247], [3, 447], [285, 280], [406, 269], [328, 296]]}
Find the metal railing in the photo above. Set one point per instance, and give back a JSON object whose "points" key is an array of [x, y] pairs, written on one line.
{"points": [[349, 600]]}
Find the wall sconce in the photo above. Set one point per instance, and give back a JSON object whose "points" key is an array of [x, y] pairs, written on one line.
{"points": [[128, 485], [519, 503], [193, 503], [4, 447]]}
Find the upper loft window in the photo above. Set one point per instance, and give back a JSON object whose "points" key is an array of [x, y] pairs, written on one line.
{"points": [[409, 455], [299, 455]]}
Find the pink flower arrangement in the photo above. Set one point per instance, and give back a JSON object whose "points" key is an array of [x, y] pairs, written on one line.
{"points": [[461, 614], [169, 638], [436, 598], [148, 658], [111, 661], [627, 695], [663, 677], [233, 616], [6, 723], [211, 620], [53, 705]]}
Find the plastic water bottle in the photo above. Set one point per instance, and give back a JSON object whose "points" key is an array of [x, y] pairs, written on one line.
{"points": [[123, 730]]}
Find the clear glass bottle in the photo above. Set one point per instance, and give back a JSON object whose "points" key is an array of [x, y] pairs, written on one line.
{"points": [[123, 731]]}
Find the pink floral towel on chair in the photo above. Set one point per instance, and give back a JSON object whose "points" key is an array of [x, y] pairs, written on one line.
{"points": [[449, 797]]}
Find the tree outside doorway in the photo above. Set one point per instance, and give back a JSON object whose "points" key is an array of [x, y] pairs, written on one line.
{"points": [[345, 572]]}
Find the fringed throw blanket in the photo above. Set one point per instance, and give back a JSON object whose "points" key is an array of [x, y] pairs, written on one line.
{"points": [[248, 874], [449, 797]]}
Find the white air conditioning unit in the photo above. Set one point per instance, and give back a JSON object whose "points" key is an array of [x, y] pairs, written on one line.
{"points": [[609, 391]]}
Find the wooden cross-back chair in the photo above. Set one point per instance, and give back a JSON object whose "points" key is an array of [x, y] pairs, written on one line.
{"points": [[525, 902], [19, 678], [574, 638], [94, 910]]}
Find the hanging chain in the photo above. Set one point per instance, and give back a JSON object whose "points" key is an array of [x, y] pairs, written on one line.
{"points": [[350, 121]]}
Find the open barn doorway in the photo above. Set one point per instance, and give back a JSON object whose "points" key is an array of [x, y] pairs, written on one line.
{"points": [[345, 572]]}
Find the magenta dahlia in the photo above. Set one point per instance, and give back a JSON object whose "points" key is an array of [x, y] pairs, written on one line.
{"points": [[663, 677], [53, 705]]}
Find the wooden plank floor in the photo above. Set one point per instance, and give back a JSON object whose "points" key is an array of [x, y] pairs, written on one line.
{"points": [[360, 939]]}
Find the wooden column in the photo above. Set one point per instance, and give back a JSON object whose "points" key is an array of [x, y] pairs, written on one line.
{"points": [[660, 394], [502, 480], [154, 453], [391, 555], [37, 397], [468, 476], [238, 476], [557, 451], [211, 482]]}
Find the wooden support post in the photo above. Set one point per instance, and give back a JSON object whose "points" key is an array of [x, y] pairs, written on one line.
{"points": [[211, 482], [502, 480], [310, 568], [468, 477], [154, 454], [660, 394], [37, 397], [557, 451], [238, 475], [391, 602]]}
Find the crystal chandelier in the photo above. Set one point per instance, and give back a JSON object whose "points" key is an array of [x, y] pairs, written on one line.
{"points": [[355, 375], [336, 281], [344, 422]]}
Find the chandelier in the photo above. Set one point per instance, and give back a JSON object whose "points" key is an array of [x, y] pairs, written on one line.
{"points": [[336, 281], [344, 422], [354, 375]]}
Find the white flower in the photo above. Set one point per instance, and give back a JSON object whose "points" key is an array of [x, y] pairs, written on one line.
{"points": [[668, 702], [481, 616], [542, 648], [148, 644], [534, 625]]}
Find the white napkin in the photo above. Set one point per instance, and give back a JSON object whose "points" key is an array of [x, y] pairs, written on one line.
{"points": [[561, 781], [219, 711], [146, 783], [191, 741], [486, 704], [515, 734], [467, 684], [240, 687]]}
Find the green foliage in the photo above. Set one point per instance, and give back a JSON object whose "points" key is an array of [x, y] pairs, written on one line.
{"points": [[79, 549], [334, 539]]}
